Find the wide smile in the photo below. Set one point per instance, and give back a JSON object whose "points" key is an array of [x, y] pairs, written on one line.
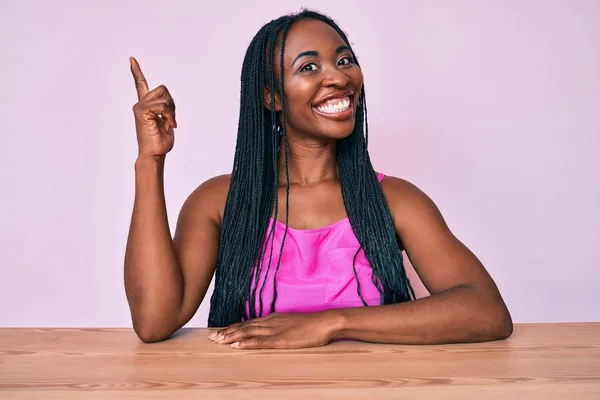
{"points": [[339, 109]]}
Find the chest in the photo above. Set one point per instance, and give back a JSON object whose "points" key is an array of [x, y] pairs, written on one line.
{"points": [[312, 207], [315, 270]]}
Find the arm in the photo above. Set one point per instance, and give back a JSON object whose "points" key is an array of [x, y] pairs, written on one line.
{"points": [[165, 279], [465, 304]]}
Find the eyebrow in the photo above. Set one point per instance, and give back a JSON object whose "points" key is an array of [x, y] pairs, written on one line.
{"points": [[316, 53]]}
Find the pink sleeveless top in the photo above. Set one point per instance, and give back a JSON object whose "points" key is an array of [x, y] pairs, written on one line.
{"points": [[316, 271]]}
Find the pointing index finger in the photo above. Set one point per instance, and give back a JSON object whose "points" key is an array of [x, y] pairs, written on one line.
{"points": [[141, 84]]}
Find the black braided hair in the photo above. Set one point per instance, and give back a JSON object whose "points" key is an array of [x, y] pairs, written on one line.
{"points": [[253, 190]]}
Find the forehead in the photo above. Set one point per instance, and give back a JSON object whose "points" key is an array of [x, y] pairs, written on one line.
{"points": [[310, 34]]}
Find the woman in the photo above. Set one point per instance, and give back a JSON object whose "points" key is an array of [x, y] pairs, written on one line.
{"points": [[332, 266]]}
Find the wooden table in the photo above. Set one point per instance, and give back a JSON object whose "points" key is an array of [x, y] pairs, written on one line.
{"points": [[540, 361]]}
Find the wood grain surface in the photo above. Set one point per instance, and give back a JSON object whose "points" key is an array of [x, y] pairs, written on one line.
{"points": [[540, 361]]}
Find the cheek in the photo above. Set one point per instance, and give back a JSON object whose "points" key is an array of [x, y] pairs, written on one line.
{"points": [[298, 97], [356, 77]]}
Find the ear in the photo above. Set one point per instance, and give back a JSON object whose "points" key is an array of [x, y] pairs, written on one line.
{"points": [[267, 100]]}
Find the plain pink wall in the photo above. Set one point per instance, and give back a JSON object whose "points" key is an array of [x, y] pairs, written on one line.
{"points": [[490, 107]]}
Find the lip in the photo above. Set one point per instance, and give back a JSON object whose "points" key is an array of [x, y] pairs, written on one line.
{"points": [[338, 116], [335, 95]]}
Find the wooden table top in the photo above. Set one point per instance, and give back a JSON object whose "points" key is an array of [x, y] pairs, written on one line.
{"points": [[545, 361]]}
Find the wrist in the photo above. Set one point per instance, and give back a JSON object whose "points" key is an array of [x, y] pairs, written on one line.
{"points": [[336, 323], [149, 161]]}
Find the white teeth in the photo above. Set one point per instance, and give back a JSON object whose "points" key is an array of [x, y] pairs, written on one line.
{"points": [[335, 106]]}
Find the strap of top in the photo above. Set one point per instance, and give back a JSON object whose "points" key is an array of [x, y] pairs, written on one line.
{"points": [[380, 176]]}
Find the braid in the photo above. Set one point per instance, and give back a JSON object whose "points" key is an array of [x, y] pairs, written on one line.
{"points": [[253, 191], [248, 205], [274, 127], [287, 172]]}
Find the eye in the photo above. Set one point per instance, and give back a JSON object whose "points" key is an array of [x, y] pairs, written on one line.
{"points": [[309, 67], [345, 60]]}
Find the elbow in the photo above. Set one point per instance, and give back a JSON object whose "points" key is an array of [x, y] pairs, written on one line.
{"points": [[151, 331], [505, 325], [490, 319], [499, 324], [152, 324], [149, 336]]}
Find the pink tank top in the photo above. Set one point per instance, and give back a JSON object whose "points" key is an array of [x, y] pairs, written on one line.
{"points": [[316, 271]]}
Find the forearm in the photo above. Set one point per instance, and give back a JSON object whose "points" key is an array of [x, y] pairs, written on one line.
{"points": [[459, 315], [153, 278]]}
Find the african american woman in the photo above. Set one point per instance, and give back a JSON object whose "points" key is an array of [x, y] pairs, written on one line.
{"points": [[304, 238]]}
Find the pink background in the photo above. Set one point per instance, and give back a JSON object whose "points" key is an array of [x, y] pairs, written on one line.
{"points": [[492, 108]]}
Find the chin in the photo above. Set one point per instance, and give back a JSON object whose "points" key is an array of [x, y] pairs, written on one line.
{"points": [[341, 131]]}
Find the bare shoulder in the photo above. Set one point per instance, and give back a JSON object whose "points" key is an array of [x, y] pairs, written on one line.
{"points": [[208, 198], [397, 186], [409, 204]]}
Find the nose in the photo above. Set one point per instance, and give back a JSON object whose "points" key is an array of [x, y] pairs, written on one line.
{"points": [[336, 77]]}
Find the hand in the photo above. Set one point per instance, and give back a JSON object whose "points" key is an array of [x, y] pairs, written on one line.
{"points": [[278, 331], [154, 116]]}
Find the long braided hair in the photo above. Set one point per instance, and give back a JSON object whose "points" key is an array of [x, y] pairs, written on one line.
{"points": [[254, 187]]}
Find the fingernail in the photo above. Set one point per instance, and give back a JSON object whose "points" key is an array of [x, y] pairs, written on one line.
{"points": [[236, 344], [220, 337], [212, 336]]}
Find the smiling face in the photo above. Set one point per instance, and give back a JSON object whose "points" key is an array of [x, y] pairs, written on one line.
{"points": [[322, 82]]}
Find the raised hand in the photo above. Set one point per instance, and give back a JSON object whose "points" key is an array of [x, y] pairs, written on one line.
{"points": [[154, 116]]}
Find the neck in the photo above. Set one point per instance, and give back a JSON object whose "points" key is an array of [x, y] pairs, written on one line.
{"points": [[309, 162]]}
